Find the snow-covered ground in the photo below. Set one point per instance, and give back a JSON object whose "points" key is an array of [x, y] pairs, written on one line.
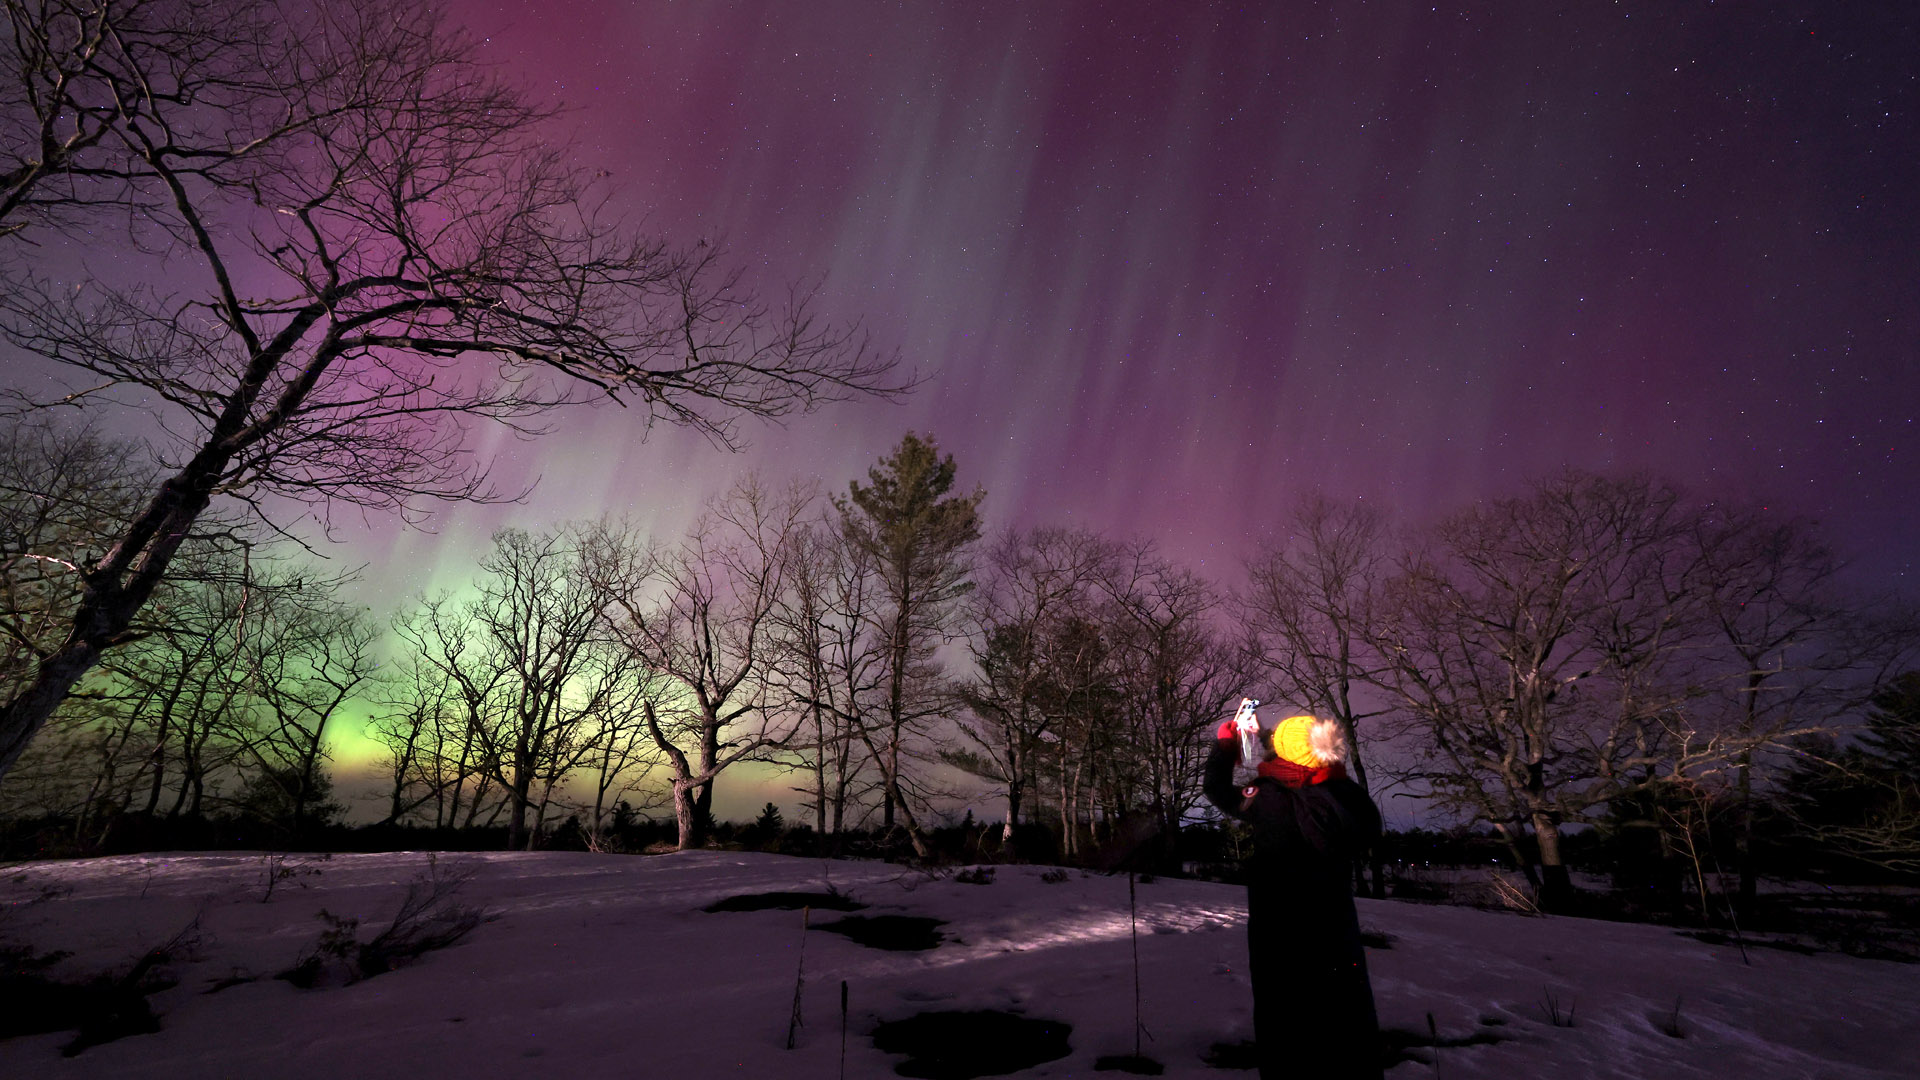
{"points": [[606, 966]]}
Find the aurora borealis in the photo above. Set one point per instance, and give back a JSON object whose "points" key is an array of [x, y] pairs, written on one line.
{"points": [[1164, 265]]}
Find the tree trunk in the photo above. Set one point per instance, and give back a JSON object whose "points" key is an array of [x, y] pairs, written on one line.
{"points": [[1374, 865], [1073, 792], [1519, 856], [596, 833], [303, 796], [890, 786], [912, 824], [23, 717], [1556, 885], [709, 757], [820, 770], [451, 803], [1066, 822], [890, 768], [703, 804], [475, 801], [191, 779], [460, 773], [400, 770], [115, 591], [842, 781], [159, 758], [684, 817], [539, 821], [1749, 879], [517, 819], [1013, 812], [896, 712]]}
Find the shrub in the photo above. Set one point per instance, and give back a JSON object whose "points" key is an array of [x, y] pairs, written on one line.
{"points": [[428, 919]]}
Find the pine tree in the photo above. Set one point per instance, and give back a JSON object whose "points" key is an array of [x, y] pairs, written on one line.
{"points": [[769, 823], [1893, 727], [1862, 801], [920, 537]]}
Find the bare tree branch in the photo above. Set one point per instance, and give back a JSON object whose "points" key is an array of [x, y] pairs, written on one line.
{"points": [[416, 258]]}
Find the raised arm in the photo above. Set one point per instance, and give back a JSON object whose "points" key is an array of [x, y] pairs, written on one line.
{"points": [[1217, 781]]}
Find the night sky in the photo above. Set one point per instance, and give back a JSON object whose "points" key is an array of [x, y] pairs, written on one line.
{"points": [[1165, 265]]}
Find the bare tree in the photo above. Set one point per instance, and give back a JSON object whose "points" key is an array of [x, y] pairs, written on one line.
{"points": [[1861, 802], [832, 665], [1178, 672], [618, 755], [416, 724], [416, 257], [1308, 603], [82, 76], [702, 616], [184, 682], [1085, 766], [306, 656], [63, 493], [1540, 652], [1033, 622], [1782, 653], [529, 663], [1100, 668], [238, 669], [432, 725]]}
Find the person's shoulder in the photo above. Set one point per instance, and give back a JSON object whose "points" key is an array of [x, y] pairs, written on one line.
{"points": [[1348, 792]]}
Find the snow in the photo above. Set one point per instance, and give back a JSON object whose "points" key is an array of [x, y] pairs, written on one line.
{"points": [[606, 966]]}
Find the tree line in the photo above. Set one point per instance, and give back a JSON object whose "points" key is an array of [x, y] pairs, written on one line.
{"points": [[1598, 651]]}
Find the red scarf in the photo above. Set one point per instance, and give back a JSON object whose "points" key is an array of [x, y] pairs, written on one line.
{"points": [[1295, 776]]}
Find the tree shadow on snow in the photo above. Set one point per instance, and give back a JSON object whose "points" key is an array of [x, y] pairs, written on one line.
{"points": [[960, 1045], [896, 933], [1138, 1064], [786, 901]]}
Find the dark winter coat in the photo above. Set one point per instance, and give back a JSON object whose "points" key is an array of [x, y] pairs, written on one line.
{"points": [[1313, 1014]]}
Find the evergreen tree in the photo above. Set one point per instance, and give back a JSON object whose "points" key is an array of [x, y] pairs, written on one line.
{"points": [[920, 538], [289, 800], [1892, 738], [769, 823], [1862, 802]]}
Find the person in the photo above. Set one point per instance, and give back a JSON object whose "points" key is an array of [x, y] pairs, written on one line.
{"points": [[1313, 1011]]}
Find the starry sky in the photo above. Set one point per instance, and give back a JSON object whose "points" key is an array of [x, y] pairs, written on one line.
{"points": [[1164, 266]]}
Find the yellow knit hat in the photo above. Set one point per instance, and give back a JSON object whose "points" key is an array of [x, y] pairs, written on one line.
{"points": [[1294, 740]]}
